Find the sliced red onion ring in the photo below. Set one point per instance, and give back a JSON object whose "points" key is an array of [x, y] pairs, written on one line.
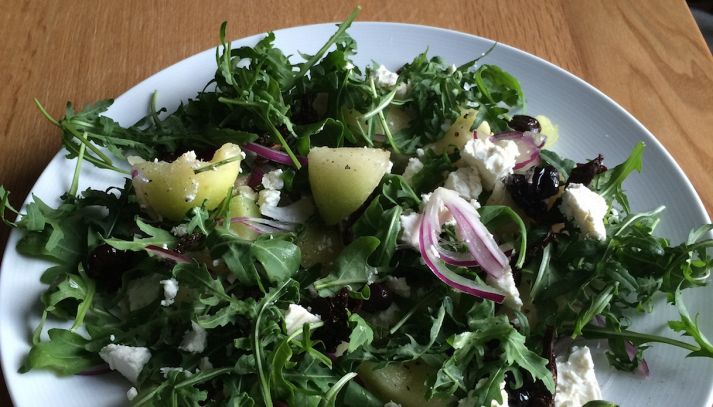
{"points": [[428, 245], [297, 212], [95, 371], [529, 150], [167, 254], [272, 155], [643, 368], [261, 225]]}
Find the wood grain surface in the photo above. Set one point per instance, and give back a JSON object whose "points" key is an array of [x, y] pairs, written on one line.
{"points": [[647, 55]]}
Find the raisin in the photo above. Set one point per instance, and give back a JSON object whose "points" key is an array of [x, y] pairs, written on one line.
{"points": [[520, 122], [379, 300], [190, 243], [585, 173], [334, 315], [530, 190], [106, 264]]}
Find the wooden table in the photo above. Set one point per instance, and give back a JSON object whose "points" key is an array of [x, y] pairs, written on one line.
{"points": [[647, 55]]}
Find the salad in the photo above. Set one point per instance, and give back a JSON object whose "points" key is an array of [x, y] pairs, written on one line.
{"points": [[317, 234]]}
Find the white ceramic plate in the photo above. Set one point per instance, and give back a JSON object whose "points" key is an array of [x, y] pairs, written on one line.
{"points": [[589, 122]]}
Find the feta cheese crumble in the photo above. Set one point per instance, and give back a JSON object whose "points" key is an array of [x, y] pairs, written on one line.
{"points": [[180, 230], [170, 289], [384, 77], [194, 341], [268, 197], [576, 382], [493, 160], [392, 404], [399, 286], [586, 209], [296, 317], [410, 224], [412, 168], [465, 182], [506, 284], [273, 180], [132, 393], [127, 360]]}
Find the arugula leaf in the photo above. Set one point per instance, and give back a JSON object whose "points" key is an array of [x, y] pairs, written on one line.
{"points": [[385, 225], [351, 268], [65, 354], [609, 183], [563, 165], [433, 173], [361, 335], [157, 237], [279, 258]]}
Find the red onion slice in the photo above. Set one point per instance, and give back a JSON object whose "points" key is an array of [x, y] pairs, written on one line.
{"points": [[167, 254], [643, 368], [261, 225], [529, 150], [272, 155], [430, 227]]}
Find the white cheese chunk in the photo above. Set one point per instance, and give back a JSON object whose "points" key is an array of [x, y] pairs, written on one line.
{"points": [[194, 341], [132, 393], [268, 197], [413, 167], [465, 182], [410, 224], [170, 289], [273, 180], [494, 160], [384, 77], [296, 317], [506, 284], [127, 360], [586, 209], [576, 382], [399, 286]]}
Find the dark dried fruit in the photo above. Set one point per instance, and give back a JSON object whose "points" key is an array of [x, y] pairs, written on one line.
{"points": [[585, 173], [190, 243], [105, 265], [379, 300], [521, 122], [534, 393], [333, 312], [530, 190]]}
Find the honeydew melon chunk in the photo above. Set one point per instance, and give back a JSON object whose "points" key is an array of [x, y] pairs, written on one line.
{"points": [[458, 134], [343, 178], [549, 129], [169, 190], [402, 383], [244, 204]]}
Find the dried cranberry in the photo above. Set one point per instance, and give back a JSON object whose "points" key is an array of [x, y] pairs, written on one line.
{"points": [[379, 300], [521, 122], [531, 190], [333, 312], [106, 264], [585, 173], [534, 393], [190, 242]]}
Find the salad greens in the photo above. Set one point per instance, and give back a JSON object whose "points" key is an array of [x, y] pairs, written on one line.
{"points": [[379, 306]]}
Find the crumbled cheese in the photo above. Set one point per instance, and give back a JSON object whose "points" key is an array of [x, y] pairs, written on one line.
{"points": [[180, 230], [268, 197], [384, 77], [392, 404], [170, 289], [132, 393], [506, 284], [194, 341], [166, 370], [204, 364], [341, 348], [399, 286], [586, 208], [127, 360], [273, 180], [410, 224], [470, 398], [414, 166], [143, 291], [296, 317], [112, 337], [576, 382], [494, 160], [465, 182]]}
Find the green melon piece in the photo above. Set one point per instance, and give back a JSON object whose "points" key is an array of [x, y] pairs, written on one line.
{"points": [[402, 383], [343, 178]]}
